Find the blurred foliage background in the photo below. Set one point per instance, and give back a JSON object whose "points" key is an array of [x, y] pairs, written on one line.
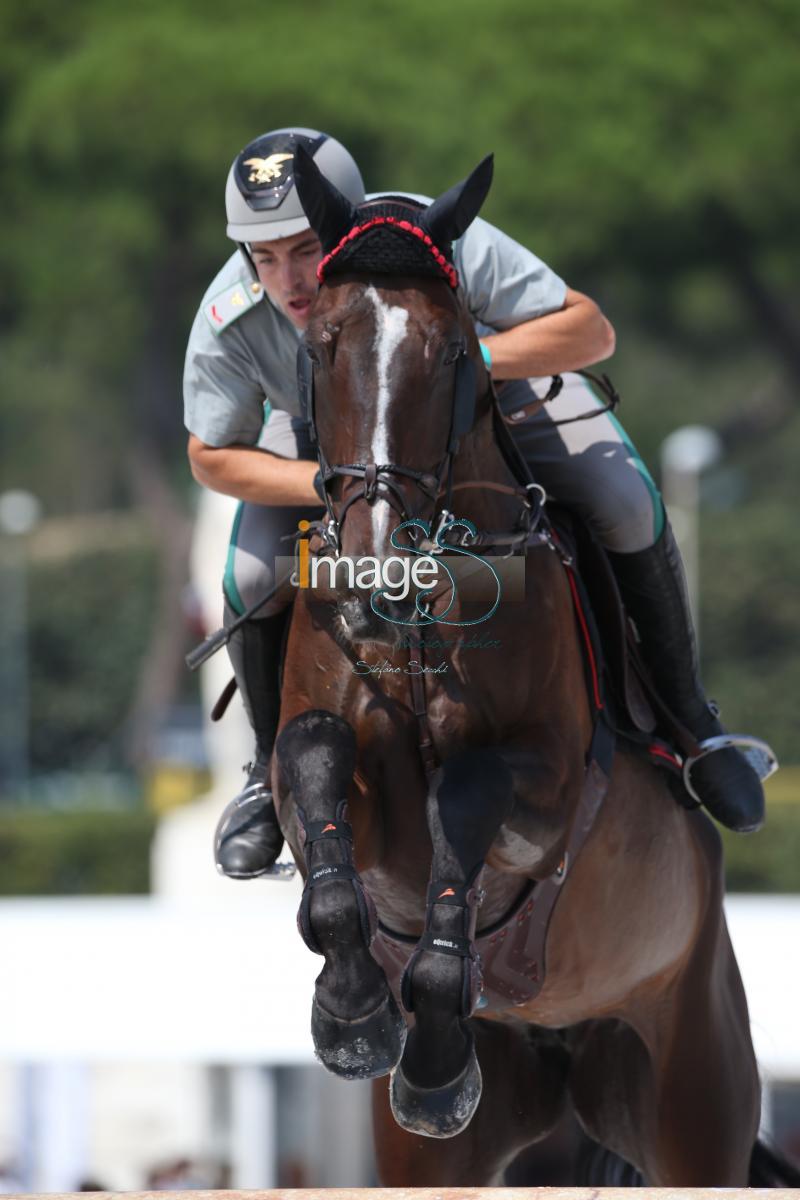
{"points": [[650, 155]]}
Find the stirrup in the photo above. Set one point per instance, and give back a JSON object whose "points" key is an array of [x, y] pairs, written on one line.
{"points": [[756, 753], [283, 871]]}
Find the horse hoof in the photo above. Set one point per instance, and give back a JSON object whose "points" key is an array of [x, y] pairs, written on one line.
{"points": [[365, 1048], [437, 1112]]}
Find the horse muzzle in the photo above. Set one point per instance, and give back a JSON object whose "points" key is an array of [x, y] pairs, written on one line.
{"points": [[372, 617]]}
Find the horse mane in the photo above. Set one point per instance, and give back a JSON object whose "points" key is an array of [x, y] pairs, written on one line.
{"points": [[386, 240]]}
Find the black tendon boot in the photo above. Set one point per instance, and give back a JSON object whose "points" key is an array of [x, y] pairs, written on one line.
{"points": [[654, 591], [248, 838]]}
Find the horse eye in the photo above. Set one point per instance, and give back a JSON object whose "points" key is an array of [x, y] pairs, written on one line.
{"points": [[452, 353]]}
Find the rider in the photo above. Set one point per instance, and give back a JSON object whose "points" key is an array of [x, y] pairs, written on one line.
{"points": [[247, 440]]}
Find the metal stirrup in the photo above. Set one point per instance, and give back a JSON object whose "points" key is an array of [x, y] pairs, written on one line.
{"points": [[756, 753]]}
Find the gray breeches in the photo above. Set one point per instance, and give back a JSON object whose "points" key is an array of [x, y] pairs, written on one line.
{"points": [[589, 466]]}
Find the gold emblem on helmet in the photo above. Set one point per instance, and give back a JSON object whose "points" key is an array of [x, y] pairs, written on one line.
{"points": [[266, 170]]}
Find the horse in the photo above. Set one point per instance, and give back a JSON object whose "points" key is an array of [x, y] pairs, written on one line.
{"points": [[436, 797]]}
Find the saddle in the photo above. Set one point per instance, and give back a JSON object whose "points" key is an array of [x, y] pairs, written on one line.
{"points": [[638, 713]]}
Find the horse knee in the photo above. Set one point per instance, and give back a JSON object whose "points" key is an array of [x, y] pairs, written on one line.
{"points": [[317, 756], [472, 800]]}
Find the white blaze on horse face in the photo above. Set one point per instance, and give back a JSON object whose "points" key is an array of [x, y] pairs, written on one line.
{"points": [[391, 322]]}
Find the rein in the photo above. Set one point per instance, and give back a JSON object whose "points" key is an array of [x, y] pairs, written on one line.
{"points": [[602, 382]]}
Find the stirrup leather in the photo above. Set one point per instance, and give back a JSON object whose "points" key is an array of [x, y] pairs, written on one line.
{"points": [[756, 753]]}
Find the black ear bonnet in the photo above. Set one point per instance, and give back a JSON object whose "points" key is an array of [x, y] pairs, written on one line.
{"points": [[387, 239], [390, 235]]}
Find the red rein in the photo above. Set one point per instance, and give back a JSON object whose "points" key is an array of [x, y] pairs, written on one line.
{"points": [[447, 269]]}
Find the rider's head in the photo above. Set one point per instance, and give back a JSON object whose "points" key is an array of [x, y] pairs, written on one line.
{"points": [[267, 220]]}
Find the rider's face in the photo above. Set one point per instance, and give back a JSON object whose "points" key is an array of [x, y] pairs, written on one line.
{"points": [[287, 271]]}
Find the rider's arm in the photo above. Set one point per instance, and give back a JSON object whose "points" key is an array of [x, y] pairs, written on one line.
{"points": [[573, 337], [530, 321], [249, 473], [224, 396]]}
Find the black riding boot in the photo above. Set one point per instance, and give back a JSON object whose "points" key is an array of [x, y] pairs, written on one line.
{"points": [[248, 838], [654, 591]]}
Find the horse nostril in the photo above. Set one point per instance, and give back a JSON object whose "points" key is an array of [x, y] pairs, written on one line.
{"points": [[359, 617], [384, 622], [395, 610]]}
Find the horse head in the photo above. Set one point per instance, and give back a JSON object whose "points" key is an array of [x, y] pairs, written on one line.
{"points": [[394, 377]]}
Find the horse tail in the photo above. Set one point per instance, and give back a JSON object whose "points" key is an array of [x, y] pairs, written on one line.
{"points": [[597, 1166], [771, 1169]]}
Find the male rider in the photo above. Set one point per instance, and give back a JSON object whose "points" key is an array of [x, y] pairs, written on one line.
{"points": [[247, 440]]}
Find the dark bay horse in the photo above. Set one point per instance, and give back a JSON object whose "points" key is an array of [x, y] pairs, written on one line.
{"points": [[446, 810]]}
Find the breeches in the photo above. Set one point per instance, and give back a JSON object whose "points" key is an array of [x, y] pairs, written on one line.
{"points": [[589, 466]]}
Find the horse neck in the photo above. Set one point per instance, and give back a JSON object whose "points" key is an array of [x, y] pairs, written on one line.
{"points": [[479, 458], [551, 641]]}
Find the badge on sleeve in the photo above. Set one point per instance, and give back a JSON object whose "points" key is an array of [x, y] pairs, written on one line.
{"points": [[224, 309]]}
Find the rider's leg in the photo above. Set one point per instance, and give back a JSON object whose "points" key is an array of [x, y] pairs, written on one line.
{"points": [[654, 590], [248, 838], [593, 468]]}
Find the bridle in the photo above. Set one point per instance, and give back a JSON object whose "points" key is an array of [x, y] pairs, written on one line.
{"points": [[384, 480]]}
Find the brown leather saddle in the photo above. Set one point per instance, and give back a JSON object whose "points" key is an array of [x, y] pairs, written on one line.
{"points": [[639, 714]]}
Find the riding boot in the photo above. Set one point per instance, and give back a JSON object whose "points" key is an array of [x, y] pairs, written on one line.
{"points": [[655, 595], [248, 838]]}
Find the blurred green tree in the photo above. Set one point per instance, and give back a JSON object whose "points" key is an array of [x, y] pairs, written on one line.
{"points": [[651, 156]]}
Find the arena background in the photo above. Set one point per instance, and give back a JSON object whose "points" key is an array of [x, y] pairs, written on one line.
{"points": [[651, 157]]}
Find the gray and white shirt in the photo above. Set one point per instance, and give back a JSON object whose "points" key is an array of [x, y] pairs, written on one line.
{"points": [[242, 349]]}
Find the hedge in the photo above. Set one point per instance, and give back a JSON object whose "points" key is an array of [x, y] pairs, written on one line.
{"points": [[46, 853], [75, 853]]}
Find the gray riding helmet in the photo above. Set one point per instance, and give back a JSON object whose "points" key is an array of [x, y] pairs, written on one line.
{"points": [[261, 200]]}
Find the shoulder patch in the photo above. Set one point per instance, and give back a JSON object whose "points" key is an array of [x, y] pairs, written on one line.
{"points": [[226, 307]]}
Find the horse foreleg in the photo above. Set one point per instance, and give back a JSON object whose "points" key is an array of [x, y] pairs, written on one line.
{"points": [[524, 1093], [437, 1086], [357, 1028]]}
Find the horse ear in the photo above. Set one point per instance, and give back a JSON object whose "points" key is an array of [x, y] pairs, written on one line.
{"points": [[330, 214], [456, 209]]}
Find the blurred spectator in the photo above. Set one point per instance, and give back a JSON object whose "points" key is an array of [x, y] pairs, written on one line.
{"points": [[185, 1175], [9, 1180]]}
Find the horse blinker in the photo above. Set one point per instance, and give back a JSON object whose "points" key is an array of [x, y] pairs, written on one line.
{"points": [[305, 389], [463, 400]]}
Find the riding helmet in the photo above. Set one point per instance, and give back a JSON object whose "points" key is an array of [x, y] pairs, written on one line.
{"points": [[261, 201]]}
